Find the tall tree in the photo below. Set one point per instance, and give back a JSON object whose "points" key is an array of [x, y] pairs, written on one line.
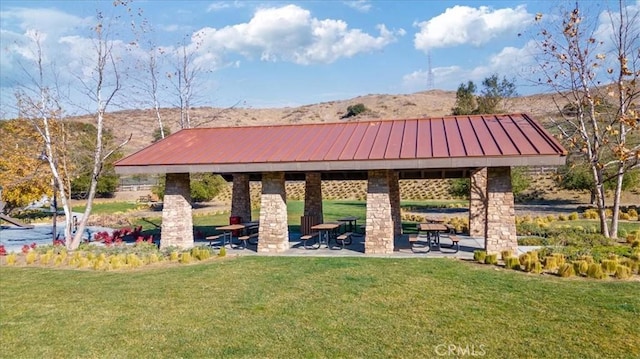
{"points": [[465, 99], [184, 79], [587, 64], [23, 176], [39, 103], [495, 93], [101, 90], [491, 99]]}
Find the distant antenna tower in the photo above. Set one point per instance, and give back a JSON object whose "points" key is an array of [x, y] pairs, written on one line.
{"points": [[430, 81]]}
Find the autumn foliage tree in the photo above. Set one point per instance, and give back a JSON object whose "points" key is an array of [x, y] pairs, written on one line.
{"points": [[595, 68], [23, 176]]}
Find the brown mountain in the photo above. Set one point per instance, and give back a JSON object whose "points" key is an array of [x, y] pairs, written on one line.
{"points": [[140, 124]]}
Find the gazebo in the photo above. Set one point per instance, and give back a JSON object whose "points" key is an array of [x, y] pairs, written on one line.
{"points": [[482, 147]]}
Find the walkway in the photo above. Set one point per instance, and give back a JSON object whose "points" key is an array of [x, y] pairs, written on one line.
{"points": [[356, 249]]}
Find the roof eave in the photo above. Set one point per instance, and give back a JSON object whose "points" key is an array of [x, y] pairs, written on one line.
{"points": [[323, 166]]}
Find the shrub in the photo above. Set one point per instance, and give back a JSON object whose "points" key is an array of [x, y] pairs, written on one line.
{"points": [[536, 267], [559, 258], [505, 254], [355, 110], [185, 257], [31, 257], [12, 259], [223, 252], [573, 216], [479, 255], [632, 213], [590, 214], [200, 253], [174, 256], [586, 258], [133, 260], [512, 262], [581, 267], [152, 258], [566, 270], [562, 217], [491, 259], [635, 243], [622, 272], [609, 266], [524, 258], [550, 263], [595, 271]]}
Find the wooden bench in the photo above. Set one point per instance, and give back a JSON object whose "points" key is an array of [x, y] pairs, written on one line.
{"points": [[214, 238], [415, 239], [451, 229], [455, 242], [308, 237], [344, 239], [246, 240]]}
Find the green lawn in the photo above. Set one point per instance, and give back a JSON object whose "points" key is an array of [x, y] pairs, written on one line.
{"points": [[288, 307], [107, 207]]}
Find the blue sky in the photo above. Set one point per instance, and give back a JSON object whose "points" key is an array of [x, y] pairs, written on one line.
{"points": [[277, 53]]}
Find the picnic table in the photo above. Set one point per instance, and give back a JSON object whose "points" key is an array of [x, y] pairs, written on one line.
{"points": [[351, 220], [325, 232]]}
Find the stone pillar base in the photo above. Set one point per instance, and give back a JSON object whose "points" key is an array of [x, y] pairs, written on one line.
{"points": [[380, 227], [274, 231], [501, 225], [177, 221]]}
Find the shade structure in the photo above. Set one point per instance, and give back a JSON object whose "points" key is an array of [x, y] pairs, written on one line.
{"points": [[450, 142]]}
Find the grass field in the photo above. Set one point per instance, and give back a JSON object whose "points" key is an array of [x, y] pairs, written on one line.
{"points": [[287, 307], [107, 207]]}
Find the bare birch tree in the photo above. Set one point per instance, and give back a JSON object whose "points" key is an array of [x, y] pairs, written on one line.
{"points": [[101, 88], [597, 76], [40, 105], [184, 80]]}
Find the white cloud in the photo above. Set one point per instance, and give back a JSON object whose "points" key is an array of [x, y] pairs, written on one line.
{"points": [[290, 33], [359, 5], [221, 5], [467, 25], [510, 62], [49, 21]]}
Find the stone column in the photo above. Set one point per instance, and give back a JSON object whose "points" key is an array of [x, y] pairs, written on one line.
{"points": [[394, 198], [274, 232], [379, 228], [241, 197], [501, 220], [177, 222], [313, 196], [478, 203]]}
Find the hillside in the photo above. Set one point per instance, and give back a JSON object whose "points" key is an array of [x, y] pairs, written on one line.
{"points": [[141, 123]]}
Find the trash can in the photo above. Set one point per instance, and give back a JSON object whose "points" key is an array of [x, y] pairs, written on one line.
{"points": [[235, 220]]}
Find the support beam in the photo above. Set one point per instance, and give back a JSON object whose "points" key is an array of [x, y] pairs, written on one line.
{"points": [[177, 221], [241, 197], [274, 231], [380, 227], [394, 199], [478, 203], [501, 219], [313, 195]]}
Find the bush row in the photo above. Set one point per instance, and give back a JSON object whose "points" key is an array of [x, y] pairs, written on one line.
{"points": [[90, 256], [613, 265]]}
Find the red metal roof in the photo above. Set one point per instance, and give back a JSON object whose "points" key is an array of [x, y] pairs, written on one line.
{"points": [[447, 142]]}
